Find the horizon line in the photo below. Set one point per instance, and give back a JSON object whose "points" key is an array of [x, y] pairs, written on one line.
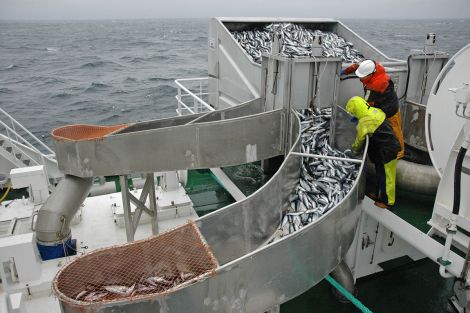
{"points": [[196, 18]]}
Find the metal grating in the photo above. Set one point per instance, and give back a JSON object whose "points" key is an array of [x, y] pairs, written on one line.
{"points": [[81, 132], [138, 270]]}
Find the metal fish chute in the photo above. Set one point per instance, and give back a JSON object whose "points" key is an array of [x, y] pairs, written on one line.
{"points": [[323, 182], [296, 41]]}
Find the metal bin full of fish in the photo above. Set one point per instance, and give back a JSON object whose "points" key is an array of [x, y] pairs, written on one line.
{"points": [[237, 44]]}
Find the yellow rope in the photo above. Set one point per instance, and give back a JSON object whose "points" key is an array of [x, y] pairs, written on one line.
{"points": [[6, 192]]}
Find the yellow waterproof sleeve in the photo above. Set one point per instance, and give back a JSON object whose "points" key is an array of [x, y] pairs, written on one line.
{"points": [[366, 126]]}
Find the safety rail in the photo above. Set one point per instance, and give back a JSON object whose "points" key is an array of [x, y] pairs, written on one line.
{"points": [[18, 144], [198, 103], [14, 123]]}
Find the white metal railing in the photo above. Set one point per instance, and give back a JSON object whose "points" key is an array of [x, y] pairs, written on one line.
{"points": [[197, 103], [23, 143]]}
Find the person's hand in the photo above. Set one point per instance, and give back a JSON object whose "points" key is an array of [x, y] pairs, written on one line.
{"points": [[354, 120], [349, 153], [350, 69]]}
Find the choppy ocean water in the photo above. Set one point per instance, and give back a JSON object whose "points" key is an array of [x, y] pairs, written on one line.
{"points": [[113, 71]]}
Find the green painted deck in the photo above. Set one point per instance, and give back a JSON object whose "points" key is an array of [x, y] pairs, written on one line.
{"points": [[205, 193], [415, 288], [411, 288]]}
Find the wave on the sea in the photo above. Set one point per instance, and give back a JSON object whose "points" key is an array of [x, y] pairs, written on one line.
{"points": [[98, 63], [129, 79], [10, 67], [160, 79], [152, 58], [162, 90], [62, 95], [97, 86], [112, 118], [5, 90]]}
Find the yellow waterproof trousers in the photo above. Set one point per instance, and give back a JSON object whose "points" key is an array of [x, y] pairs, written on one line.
{"points": [[386, 180]]}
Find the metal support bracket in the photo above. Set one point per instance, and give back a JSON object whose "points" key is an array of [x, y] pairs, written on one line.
{"points": [[132, 220]]}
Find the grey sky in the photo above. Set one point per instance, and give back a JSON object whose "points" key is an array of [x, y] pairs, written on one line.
{"points": [[105, 9]]}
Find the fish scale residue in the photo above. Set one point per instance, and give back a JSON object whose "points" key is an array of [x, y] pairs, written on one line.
{"points": [[295, 42], [323, 183]]}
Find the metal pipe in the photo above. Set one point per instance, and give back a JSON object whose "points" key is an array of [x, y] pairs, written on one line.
{"points": [[191, 79], [98, 190], [320, 156], [463, 275], [358, 304], [342, 274], [110, 187], [415, 177], [444, 260], [53, 222], [397, 63]]}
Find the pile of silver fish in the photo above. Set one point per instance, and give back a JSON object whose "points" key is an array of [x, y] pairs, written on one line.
{"points": [[155, 284], [323, 182], [295, 42]]}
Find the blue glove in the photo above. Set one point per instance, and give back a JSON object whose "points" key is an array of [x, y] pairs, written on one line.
{"points": [[342, 73], [354, 120]]}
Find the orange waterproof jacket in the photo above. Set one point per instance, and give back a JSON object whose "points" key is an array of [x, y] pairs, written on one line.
{"points": [[379, 91]]}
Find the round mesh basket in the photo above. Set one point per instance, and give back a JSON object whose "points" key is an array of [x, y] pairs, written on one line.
{"points": [[138, 270], [82, 132]]}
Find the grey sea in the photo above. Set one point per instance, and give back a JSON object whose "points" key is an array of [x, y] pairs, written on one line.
{"points": [[113, 71]]}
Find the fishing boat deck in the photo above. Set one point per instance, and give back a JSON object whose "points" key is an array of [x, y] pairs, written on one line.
{"points": [[97, 228], [405, 286], [396, 289]]}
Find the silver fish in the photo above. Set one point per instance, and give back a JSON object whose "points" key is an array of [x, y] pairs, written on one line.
{"points": [[186, 275], [157, 280], [295, 41], [120, 290], [323, 183], [95, 296], [81, 294]]}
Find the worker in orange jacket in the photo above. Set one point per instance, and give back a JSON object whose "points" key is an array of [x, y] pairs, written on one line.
{"points": [[379, 91]]}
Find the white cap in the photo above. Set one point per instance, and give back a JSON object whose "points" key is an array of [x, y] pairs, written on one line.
{"points": [[366, 67]]}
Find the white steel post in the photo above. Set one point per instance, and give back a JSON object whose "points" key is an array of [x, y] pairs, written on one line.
{"points": [[153, 203], [126, 204], [179, 101]]}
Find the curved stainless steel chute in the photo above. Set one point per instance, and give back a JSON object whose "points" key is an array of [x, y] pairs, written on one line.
{"points": [[251, 276]]}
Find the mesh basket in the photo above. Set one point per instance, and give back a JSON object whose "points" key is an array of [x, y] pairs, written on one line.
{"points": [[138, 270], [85, 132]]}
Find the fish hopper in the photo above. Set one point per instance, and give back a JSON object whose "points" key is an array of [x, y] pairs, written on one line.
{"points": [[229, 260]]}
